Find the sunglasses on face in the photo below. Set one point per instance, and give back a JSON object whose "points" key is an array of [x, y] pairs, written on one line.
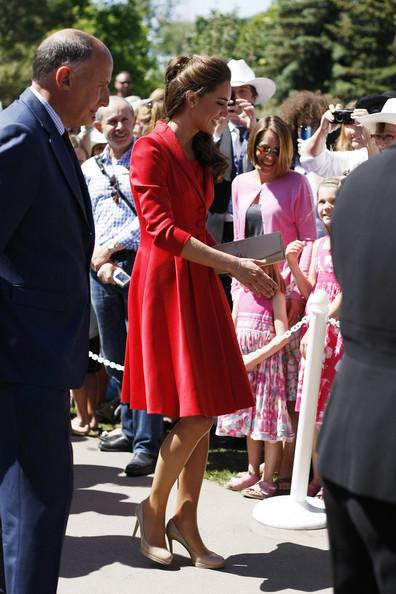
{"points": [[387, 138], [267, 150]]}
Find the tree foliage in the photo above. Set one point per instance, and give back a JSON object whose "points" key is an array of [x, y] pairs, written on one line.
{"points": [[345, 48], [122, 24]]}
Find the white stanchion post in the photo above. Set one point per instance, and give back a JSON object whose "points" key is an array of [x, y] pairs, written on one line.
{"points": [[297, 511]]}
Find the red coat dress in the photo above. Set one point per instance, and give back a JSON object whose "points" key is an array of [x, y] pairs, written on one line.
{"points": [[182, 356]]}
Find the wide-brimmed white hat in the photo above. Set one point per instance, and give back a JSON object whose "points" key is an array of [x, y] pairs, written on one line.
{"points": [[242, 74], [387, 115]]}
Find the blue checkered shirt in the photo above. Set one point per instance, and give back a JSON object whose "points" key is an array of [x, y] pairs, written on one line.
{"points": [[113, 221]]}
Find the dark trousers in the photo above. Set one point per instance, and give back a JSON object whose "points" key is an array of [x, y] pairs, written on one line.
{"points": [[362, 533], [36, 483], [144, 431]]}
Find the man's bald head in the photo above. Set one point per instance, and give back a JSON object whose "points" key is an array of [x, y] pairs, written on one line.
{"points": [[66, 47], [116, 103]]}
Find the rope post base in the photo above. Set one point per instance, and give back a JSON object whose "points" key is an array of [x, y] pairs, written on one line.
{"points": [[287, 513], [297, 511]]}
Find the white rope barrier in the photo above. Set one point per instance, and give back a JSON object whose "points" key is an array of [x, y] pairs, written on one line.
{"points": [[287, 334]]}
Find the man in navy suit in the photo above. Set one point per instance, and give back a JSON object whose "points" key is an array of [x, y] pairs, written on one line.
{"points": [[357, 444], [46, 242]]}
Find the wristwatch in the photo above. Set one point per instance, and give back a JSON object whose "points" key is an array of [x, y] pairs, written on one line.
{"points": [[111, 246]]}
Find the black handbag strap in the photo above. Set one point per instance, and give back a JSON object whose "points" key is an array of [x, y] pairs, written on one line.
{"points": [[114, 183]]}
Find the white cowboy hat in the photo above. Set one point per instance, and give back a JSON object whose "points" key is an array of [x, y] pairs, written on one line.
{"points": [[242, 74], [387, 115]]}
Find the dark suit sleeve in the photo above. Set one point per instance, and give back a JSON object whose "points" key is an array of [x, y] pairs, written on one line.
{"points": [[19, 177]]}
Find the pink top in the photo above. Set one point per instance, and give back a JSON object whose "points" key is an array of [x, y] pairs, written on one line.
{"points": [[286, 206], [325, 279]]}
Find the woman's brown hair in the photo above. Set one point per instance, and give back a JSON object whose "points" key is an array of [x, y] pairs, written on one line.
{"points": [[201, 74], [276, 125]]}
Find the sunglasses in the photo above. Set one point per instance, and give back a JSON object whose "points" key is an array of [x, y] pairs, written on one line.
{"points": [[268, 150], [387, 138]]}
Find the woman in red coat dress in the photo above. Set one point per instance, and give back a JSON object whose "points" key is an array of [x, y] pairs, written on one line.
{"points": [[182, 357]]}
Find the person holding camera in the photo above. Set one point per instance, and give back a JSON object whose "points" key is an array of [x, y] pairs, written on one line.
{"points": [[231, 136], [317, 158], [117, 240]]}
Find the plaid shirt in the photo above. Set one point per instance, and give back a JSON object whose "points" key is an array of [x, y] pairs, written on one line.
{"points": [[114, 221]]}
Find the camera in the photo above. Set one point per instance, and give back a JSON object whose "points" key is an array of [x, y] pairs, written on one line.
{"points": [[121, 278], [343, 116], [231, 102]]}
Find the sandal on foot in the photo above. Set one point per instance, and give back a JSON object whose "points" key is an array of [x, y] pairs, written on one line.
{"points": [[78, 429], [284, 484], [243, 481], [260, 490]]}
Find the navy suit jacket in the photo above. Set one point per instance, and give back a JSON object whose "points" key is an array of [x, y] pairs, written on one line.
{"points": [[46, 242], [357, 443]]}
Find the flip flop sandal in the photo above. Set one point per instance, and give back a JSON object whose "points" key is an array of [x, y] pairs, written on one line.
{"points": [[260, 490], [238, 483]]}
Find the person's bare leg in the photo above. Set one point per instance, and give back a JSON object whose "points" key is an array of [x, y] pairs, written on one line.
{"points": [[255, 452], [80, 424], [190, 483], [286, 465], [316, 477], [272, 456], [92, 388], [174, 454]]}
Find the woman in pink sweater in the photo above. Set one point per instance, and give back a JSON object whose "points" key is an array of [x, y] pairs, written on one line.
{"points": [[274, 198]]}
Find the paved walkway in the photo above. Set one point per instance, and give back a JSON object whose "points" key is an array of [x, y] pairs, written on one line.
{"points": [[101, 558]]}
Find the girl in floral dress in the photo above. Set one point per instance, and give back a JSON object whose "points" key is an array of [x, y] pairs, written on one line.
{"points": [[321, 277], [260, 322]]}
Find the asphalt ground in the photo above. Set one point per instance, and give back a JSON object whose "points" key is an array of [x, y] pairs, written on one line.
{"points": [[100, 556]]}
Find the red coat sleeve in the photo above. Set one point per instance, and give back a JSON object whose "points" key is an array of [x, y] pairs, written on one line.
{"points": [[149, 165]]}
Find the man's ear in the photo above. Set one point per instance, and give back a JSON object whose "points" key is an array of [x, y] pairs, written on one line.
{"points": [[98, 125], [63, 77]]}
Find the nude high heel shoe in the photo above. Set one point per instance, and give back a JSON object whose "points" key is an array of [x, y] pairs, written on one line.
{"points": [[209, 561], [158, 554]]}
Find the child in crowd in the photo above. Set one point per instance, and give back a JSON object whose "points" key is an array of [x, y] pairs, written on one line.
{"points": [[320, 277], [260, 322]]}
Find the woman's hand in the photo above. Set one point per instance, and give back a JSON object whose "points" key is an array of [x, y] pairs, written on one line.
{"points": [[251, 275], [295, 309], [327, 123], [293, 250]]}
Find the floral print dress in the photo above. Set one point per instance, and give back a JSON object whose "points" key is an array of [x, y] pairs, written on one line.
{"points": [[334, 347], [268, 420]]}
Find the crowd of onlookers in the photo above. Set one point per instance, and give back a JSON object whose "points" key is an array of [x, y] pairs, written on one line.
{"points": [[283, 175]]}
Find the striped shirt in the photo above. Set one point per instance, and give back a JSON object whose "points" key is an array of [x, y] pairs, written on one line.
{"points": [[114, 221], [51, 111]]}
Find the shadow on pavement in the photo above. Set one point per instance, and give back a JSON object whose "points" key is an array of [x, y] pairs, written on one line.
{"points": [[289, 566], [89, 475], [86, 554], [109, 503]]}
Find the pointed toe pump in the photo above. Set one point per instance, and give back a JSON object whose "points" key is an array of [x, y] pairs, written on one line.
{"points": [[160, 555], [208, 561]]}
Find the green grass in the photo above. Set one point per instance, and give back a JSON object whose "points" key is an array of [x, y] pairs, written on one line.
{"points": [[226, 458]]}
